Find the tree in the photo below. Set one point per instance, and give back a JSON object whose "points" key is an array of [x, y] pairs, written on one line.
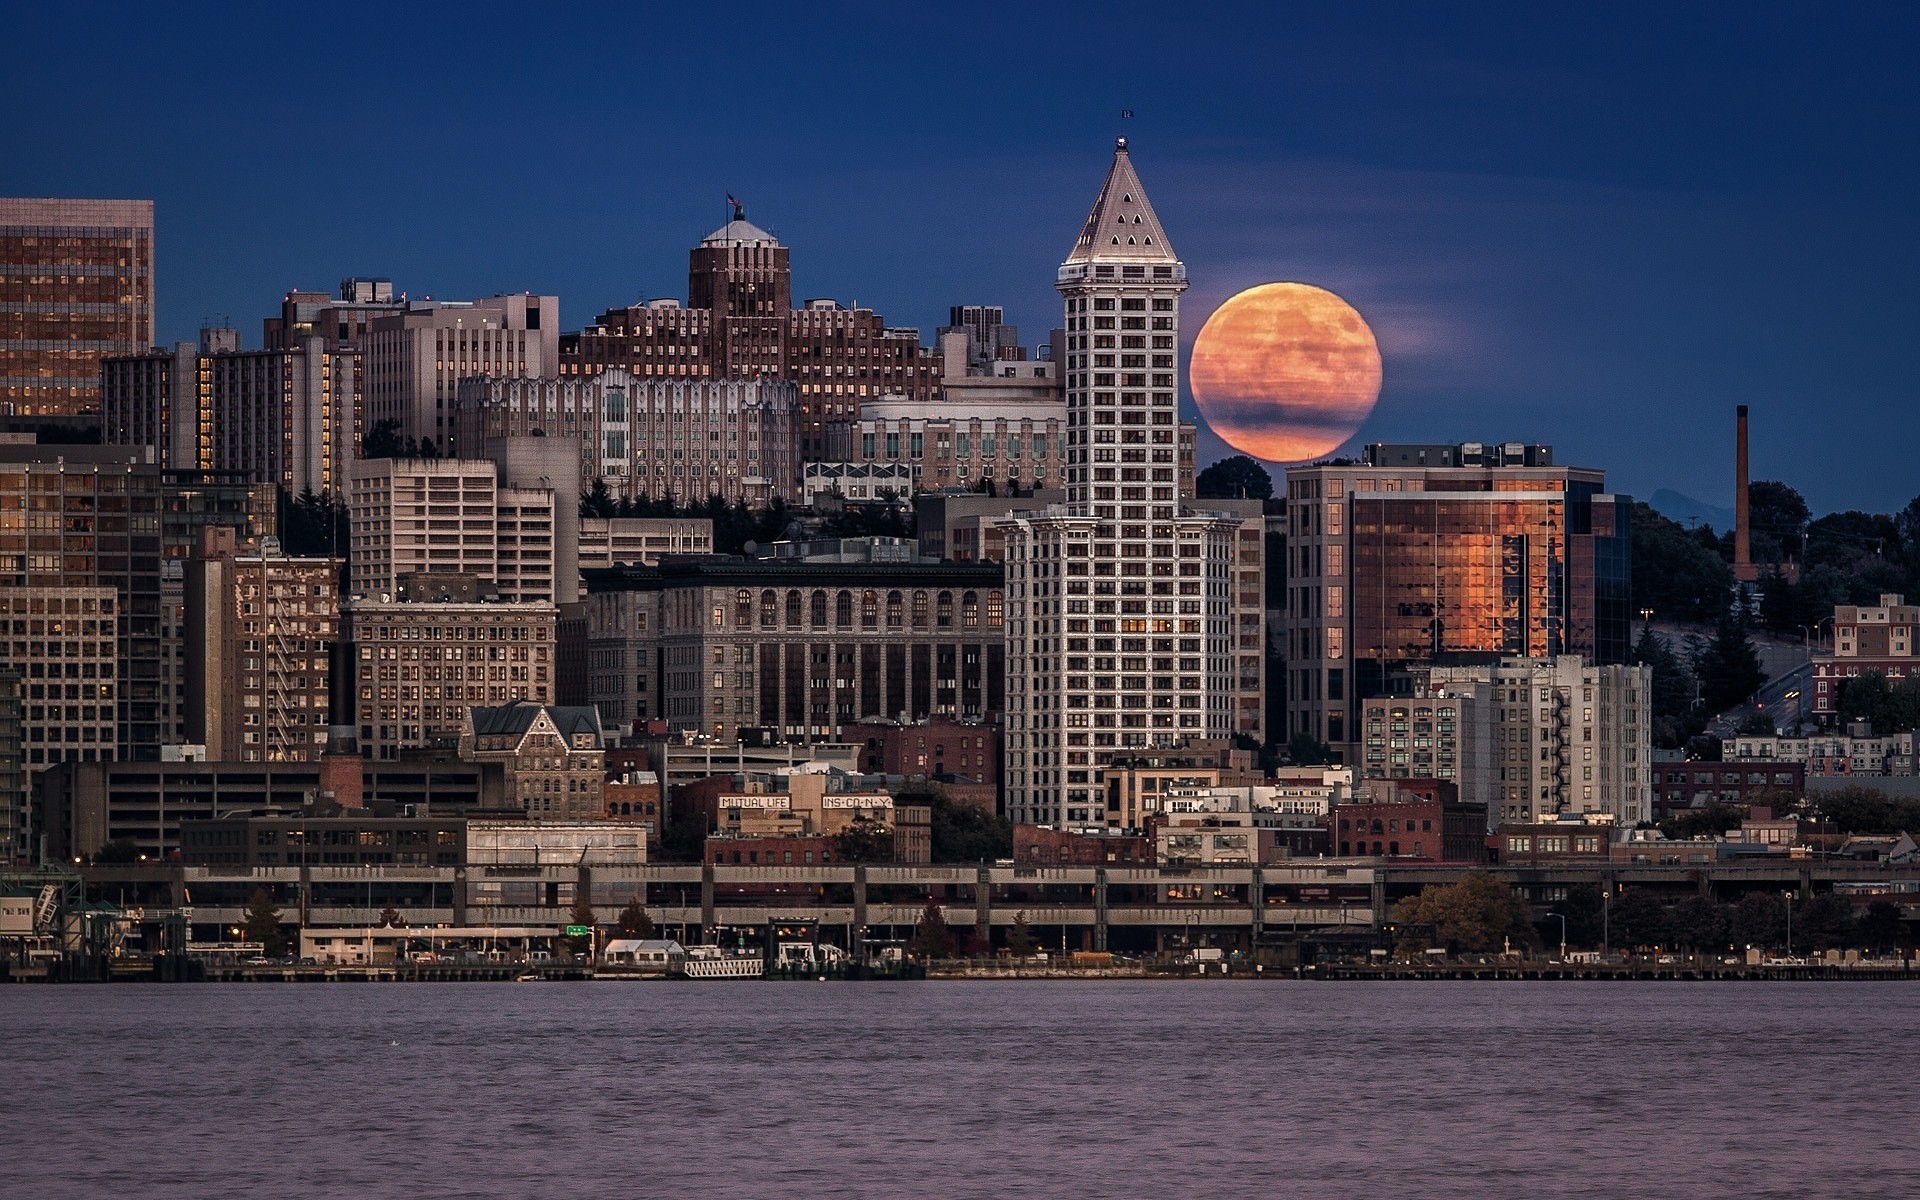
{"points": [[1889, 708], [1641, 920], [1585, 913], [864, 841], [635, 921], [119, 851], [931, 937], [1679, 574], [390, 918], [1863, 810], [1777, 519], [581, 944], [1304, 750], [1759, 919], [1826, 922], [1699, 924], [262, 924], [1020, 938], [384, 441], [1235, 478], [964, 833], [1729, 668], [1477, 914], [1674, 716], [597, 500], [979, 944], [1709, 820], [1880, 926]]}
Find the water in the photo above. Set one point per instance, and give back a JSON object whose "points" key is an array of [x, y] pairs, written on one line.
{"points": [[959, 1089]]}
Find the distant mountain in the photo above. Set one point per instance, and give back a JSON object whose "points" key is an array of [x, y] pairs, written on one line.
{"points": [[1690, 512]]}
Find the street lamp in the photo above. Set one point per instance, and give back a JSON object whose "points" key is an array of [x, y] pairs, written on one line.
{"points": [[1646, 621], [1562, 918], [1606, 922], [1789, 924]]}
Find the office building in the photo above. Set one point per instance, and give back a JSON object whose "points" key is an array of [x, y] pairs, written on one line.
{"points": [[1866, 637], [619, 541], [78, 286], [419, 666], [740, 323], [86, 517], [287, 417], [414, 358], [1440, 554], [259, 630], [1017, 443], [416, 516], [59, 691], [15, 799], [1120, 636]]}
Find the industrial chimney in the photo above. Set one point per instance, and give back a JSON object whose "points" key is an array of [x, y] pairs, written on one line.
{"points": [[1743, 569]]}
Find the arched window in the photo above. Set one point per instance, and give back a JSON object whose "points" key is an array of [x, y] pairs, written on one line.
{"points": [[818, 615], [943, 611], [1377, 828], [895, 610], [970, 609], [742, 608], [793, 609], [869, 609], [843, 610], [919, 610], [769, 609]]}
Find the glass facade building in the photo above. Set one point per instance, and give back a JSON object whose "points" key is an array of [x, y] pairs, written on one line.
{"points": [[76, 285]]}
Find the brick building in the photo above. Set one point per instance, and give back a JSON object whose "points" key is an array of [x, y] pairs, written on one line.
{"points": [[1411, 818]]}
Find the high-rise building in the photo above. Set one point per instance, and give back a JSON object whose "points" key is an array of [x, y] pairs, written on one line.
{"points": [[76, 518], [13, 768], [1120, 633], [414, 357], [1567, 737], [286, 417], [60, 647], [981, 338], [78, 286], [464, 516], [1444, 554], [741, 324], [260, 629]]}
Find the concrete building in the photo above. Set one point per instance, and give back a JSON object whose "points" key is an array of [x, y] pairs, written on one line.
{"points": [[74, 518], [796, 647], [419, 666], [854, 481], [740, 323], [287, 416], [678, 439], [1832, 755], [1442, 731], [507, 521], [78, 287], [15, 797], [59, 700], [1120, 635], [1441, 554], [259, 632], [1567, 737], [552, 758], [340, 320], [414, 358], [622, 541], [965, 526]]}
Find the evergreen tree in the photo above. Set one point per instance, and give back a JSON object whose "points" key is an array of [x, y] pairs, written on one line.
{"points": [[1729, 667], [931, 937], [635, 921], [1020, 942], [262, 924]]}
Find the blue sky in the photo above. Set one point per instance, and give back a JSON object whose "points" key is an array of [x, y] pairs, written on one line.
{"points": [[1601, 230]]}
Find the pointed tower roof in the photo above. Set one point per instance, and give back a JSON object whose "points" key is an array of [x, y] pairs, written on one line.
{"points": [[1122, 226]]}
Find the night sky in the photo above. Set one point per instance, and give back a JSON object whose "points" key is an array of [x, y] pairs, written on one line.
{"points": [[1599, 230]]}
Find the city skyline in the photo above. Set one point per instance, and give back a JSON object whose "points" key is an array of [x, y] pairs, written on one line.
{"points": [[1560, 226]]}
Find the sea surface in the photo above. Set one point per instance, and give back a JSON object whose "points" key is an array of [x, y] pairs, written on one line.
{"points": [[1002, 1089]]}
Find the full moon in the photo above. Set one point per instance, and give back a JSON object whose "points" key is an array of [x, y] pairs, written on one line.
{"points": [[1285, 372]]}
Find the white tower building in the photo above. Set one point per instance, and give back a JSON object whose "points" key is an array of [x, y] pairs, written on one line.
{"points": [[1120, 622]]}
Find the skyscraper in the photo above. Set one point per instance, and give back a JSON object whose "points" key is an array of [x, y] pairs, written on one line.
{"points": [[1119, 634], [78, 286]]}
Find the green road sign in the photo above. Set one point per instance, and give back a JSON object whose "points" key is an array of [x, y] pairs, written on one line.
{"points": [[579, 931]]}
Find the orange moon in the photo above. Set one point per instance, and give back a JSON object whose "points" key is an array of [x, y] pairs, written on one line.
{"points": [[1285, 372]]}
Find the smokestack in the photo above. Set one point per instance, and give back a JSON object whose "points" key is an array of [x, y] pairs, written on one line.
{"points": [[1742, 551]]}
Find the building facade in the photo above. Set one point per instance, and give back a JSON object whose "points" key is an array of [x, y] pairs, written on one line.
{"points": [[82, 517], [418, 667], [683, 440], [415, 516], [415, 357], [741, 324], [288, 417], [552, 758], [259, 633], [1016, 443], [1877, 637], [1567, 737], [1436, 554], [1120, 635], [796, 647], [78, 287]]}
